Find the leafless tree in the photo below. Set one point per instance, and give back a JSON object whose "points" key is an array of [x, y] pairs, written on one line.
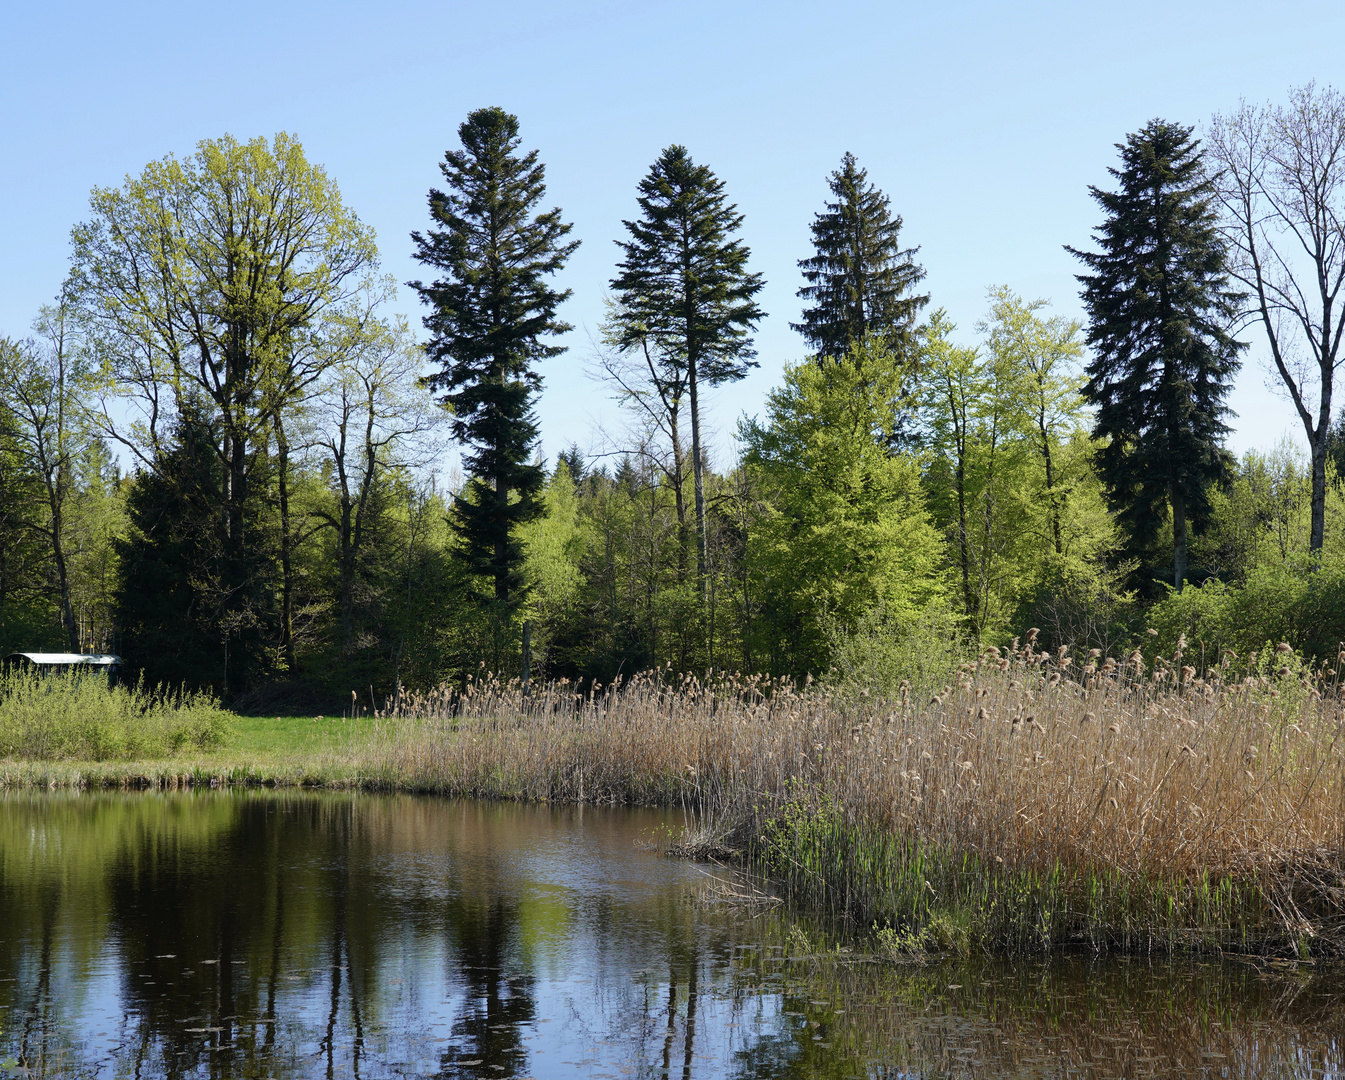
{"points": [[1282, 186]]}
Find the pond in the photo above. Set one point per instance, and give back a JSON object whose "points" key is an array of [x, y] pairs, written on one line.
{"points": [[266, 934]]}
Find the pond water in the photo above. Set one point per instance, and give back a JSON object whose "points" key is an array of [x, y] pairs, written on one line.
{"points": [[264, 934]]}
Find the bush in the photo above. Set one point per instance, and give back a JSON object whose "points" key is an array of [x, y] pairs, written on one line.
{"points": [[1278, 602], [881, 652], [78, 716]]}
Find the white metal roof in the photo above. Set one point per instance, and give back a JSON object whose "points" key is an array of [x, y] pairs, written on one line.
{"points": [[91, 659]]}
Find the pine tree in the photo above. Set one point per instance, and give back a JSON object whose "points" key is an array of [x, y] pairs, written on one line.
{"points": [[1159, 306], [860, 281], [493, 311], [684, 292]]}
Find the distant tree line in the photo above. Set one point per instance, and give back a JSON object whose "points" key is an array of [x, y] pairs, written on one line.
{"points": [[218, 451]]}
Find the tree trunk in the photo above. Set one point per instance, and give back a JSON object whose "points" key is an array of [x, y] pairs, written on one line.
{"points": [[502, 543], [702, 554], [1317, 441], [1178, 539], [286, 548], [1051, 503], [679, 497], [63, 579]]}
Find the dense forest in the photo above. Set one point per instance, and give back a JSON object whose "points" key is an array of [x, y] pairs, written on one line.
{"points": [[220, 454]]}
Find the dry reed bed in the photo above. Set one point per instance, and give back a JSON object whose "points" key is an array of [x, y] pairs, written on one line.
{"points": [[1033, 800]]}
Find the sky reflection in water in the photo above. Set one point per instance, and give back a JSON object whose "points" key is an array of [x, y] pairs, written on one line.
{"points": [[250, 934]]}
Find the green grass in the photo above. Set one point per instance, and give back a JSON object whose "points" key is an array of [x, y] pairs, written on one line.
{"points": [[270, 736]]}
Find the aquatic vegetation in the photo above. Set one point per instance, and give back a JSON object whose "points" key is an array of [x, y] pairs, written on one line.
{"points": [[1032, 802]]}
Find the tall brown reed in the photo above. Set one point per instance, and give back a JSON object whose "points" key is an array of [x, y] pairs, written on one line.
{"points": [[1108, 797]]}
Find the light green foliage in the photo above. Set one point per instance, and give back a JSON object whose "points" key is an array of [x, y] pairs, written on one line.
{"points": [[45, 394], [1009, 478], [1033, 361], [1269, 585], [554, 545], [881, 653], [1265, 516], [844, 527], [211, 276], [63, 716]]}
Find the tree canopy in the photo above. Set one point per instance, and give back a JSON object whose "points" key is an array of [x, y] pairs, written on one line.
{"points": [[859, 281], [493, 313], [1160, 306]]}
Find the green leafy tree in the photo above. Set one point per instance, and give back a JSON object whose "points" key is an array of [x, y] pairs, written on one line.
{"points": [[493, 311], [1159, 305], [971, 406], [206, 286], [844, 529], [1039, 354], [25, 609], [684, 295], [374, 422], [43, 386], [860, 281], [1008, 478]]}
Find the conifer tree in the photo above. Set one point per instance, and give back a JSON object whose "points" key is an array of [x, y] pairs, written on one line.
{"points": [[860, 281], [683, 292], [1159, 305], [188, 613], [493, 311]]}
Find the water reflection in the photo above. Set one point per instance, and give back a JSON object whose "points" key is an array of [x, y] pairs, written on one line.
{"points": [[304, 935]]}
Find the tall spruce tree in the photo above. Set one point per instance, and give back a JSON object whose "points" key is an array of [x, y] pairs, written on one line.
{"points": [[1159, 307], [860, 282], [493, 311], [684, 292]]}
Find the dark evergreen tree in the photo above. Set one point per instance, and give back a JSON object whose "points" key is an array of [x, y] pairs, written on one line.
{"points": [[187, 613], [493, 311], [860, 282], [1159, 307], [684, 292]]}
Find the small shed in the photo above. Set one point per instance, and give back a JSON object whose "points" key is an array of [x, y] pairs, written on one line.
{"points": [[104, 664]]}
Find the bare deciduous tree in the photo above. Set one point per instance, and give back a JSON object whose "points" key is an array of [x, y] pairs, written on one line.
{"points": [[1282, 187]]}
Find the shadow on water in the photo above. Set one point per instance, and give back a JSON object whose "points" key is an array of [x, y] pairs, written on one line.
{"points": [[247, 934]]}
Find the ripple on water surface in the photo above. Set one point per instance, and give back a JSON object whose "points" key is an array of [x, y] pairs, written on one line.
{"points": [[253, 934]]}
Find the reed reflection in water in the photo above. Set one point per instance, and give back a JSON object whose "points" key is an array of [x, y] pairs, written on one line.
{"points": [[244, 934]]}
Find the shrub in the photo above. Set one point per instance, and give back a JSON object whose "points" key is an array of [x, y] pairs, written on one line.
{"points": [[78, 716], [881, 652]]}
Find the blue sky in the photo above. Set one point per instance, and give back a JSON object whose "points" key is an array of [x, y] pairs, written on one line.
{"points": [[984, 122]]}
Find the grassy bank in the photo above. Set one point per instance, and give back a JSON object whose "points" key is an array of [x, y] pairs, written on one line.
{"points": [[1035, 802]]}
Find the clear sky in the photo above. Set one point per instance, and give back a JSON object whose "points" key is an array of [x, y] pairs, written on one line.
{"points": [[984, 122]]}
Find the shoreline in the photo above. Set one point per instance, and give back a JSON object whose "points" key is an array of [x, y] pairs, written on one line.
{"points": [[1015, 813], [945, 930]]}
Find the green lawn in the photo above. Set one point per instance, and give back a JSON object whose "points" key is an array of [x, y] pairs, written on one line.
{"points": [[290, 734]]}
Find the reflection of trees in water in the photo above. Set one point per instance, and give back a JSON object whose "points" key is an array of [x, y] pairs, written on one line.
{"points": [[37, 1015], [497, 1002], [257, 935], [206, 924], [1068, 1017]]}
